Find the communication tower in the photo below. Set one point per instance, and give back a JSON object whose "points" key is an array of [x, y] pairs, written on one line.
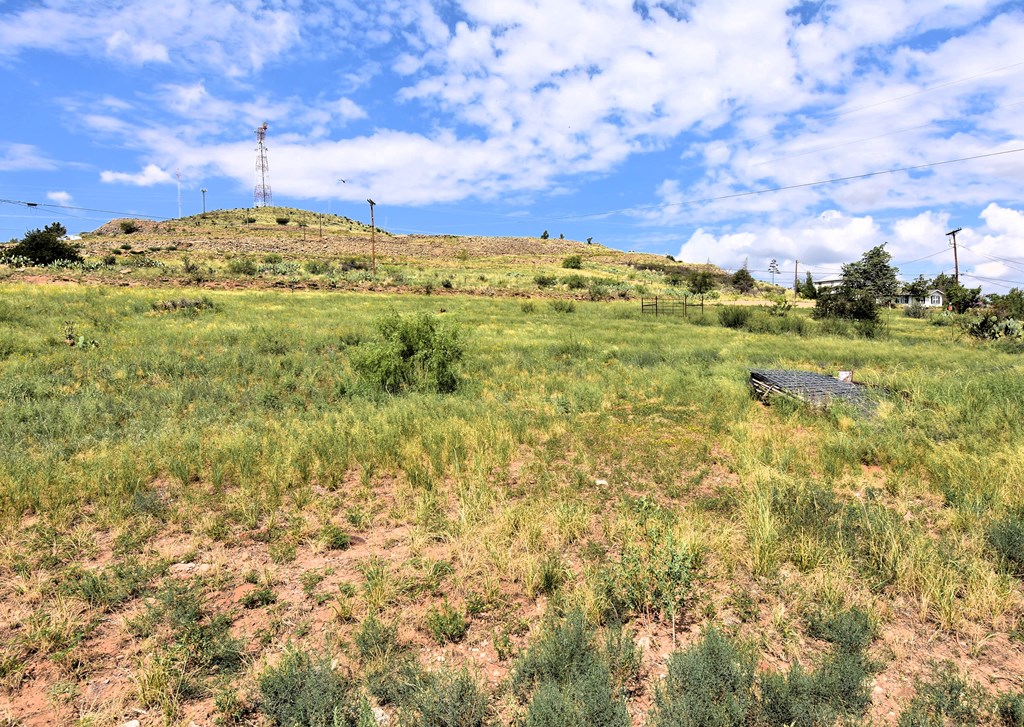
{"points": [[261, 196]]}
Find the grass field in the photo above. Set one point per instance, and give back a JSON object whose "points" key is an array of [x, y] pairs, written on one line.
{"points": [[212, 510]]}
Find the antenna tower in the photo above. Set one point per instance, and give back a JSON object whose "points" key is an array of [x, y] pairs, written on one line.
{"points": [[261, 196]]}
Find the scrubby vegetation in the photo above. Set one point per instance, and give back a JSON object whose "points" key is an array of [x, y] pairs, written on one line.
{"points": [[335, 507]]}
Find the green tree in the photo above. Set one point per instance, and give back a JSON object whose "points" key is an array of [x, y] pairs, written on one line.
{"points": [[872, 274], [1010, 305], [919, 287], [962, 299], [773, 268], [702, 283], [807, 290], [944, 282], [45, 246], [742, 280], [544, 235]]}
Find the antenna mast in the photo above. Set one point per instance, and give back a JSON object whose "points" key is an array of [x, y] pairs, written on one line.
{"points": [[261, 196]]}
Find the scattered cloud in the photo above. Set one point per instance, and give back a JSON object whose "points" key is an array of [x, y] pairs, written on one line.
{"points": [[23, 157], [149, 176], [59, 197]]}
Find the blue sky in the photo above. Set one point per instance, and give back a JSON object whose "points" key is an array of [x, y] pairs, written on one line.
{"points": [[634, 123]]}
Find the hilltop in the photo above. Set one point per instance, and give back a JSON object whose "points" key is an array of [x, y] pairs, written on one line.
{"points": [[302, 232]]}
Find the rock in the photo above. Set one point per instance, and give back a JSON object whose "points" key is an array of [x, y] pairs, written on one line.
{"points": [[601, 482], [381, 716], [132, 723]]}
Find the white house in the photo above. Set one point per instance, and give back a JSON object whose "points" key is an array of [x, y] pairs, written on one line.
{"points": [[826, 283], [931, 299]]}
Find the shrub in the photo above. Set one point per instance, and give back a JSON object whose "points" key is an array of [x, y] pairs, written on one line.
{"points": [[734, 316], [272, 259], [259, 597], [44, 247], [711, 683], [317, 267], [129, 226], [544, 281], [242, 266], [282, 220], [563, 306], [250, 220], [573, 262], [575, 282], [856, 305], [109, 259], [567, 678], [420, 352], [449, 700], [945, 697], [301, 691], [915, 310], [598, 291], [446, 624], [528, 306], [544, 235]]}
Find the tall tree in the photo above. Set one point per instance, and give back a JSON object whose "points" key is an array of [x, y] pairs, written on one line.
{"points": [[807, 290], [872, 274], [701, 283], [45, 246]]}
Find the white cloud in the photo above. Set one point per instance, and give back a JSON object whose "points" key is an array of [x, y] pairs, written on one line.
{"points": [[59, 197], [149, 176], [23, 157]]}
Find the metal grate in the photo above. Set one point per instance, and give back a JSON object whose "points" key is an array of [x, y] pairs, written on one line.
{"points": [[816, 389]]}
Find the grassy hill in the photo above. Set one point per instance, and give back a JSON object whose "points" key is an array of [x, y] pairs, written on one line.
{"points": [[324, 506]]}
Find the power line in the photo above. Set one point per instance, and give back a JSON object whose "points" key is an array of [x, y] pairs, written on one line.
{"points": [[791, 186], [83, 209]]}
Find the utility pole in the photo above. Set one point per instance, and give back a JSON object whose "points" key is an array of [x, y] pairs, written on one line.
{"points": [[796, 277], [956, 262], [203, 190], [373, 239]]}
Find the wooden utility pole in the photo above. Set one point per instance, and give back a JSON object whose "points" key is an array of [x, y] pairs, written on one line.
{"points": [[373, 239], [956, 262]]}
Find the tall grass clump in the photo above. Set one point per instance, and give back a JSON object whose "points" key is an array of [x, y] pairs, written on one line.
{"points": [[418, 353], [734, 316], [1006, 537], [566, 677]]}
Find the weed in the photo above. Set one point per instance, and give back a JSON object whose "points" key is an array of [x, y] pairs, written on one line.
{"points": [[446, 624], [375, 640], [334, 538], [573, 262], [734, 316], [302, 690], [544, 280], [563, 306], [259, 597]]}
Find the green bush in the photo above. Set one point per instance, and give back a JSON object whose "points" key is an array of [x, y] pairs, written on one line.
{"points": [[242, 266], [420, 353], [573, 262], [856, 305], [282, 220], [448, 699], [544, 281], [734, 316], [43, 247], [317, 267], [301, 691], [129, 226], [567, 679], [259, 597], [915, 310], [575, 282], [563, 306], [708, 685], [334, 537], [944, 698], [446, 624]]}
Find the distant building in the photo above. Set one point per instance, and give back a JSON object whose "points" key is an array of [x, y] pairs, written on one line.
{"points": [[931, 299], [827, 283]]}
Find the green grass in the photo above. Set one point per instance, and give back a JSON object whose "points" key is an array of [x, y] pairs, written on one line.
{"points": [[612, 464]]}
